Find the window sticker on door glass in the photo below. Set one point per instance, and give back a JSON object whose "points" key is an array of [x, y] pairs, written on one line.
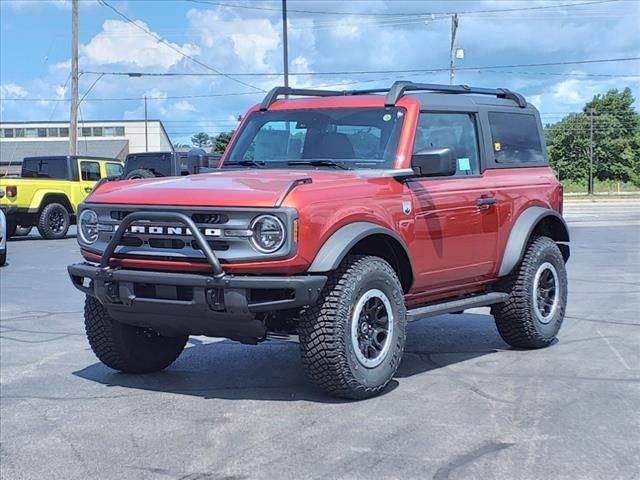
{"points": [[497, 146], [386, 117], [464, 164]]}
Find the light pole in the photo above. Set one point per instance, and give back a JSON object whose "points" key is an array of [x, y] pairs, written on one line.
{"points": [[452, 60], [285, 43], [591, 111], [73, 114]]}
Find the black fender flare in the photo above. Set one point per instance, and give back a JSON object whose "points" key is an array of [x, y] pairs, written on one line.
{"points": [[338, 245], [521, 232]]}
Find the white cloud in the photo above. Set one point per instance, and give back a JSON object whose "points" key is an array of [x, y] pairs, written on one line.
{"points": [[13, 90], [250, 40], [572, 92], [346, 29], [122, 42], [60, 91], [536, 100], [184, 106], [64, 66]]}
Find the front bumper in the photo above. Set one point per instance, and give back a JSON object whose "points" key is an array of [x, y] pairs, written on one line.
{"points": [[216, 304], [194, 304]]}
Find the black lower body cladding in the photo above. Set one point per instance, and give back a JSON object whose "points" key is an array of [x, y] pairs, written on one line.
{"points": [[194, 304]]}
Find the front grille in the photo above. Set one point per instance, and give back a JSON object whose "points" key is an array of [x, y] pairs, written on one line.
{"points": [[210, 218], [173, 241], [167, 243], [215, 245], [199, 218]]}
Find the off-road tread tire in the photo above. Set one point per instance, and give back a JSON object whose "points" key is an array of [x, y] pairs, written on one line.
{"points": [[321, 330], [139, 173], [515, 320], [122, 347], [43, 225]]}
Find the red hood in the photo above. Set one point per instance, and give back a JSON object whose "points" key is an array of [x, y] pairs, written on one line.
{"points": [[237, 188]]}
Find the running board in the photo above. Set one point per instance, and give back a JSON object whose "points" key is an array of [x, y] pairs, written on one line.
{"points": [[456, 305]]}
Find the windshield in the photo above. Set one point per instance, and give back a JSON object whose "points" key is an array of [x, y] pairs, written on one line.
{"points": [[343, 137]]}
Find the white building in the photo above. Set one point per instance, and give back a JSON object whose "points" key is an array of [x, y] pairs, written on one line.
{"points": [[108, 138]]}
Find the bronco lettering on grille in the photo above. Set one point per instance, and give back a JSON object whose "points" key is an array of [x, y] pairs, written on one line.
{"points": [[165, 230]]}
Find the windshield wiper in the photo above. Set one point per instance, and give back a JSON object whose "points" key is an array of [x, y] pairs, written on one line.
{"points": [[318, 163], [245, 163]]}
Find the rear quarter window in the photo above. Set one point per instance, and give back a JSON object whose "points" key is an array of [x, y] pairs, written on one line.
{"points": [[515, 138], [43, 167]]}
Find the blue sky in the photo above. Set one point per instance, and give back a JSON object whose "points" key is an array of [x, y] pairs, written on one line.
{"points": [[363, 36]]}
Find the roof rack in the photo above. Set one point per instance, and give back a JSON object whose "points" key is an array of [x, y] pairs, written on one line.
{"points": [[398, 88], [274, 93], [394, 93]]}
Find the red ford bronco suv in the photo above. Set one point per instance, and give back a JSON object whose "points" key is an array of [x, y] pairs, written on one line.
{"points": [[334, 220]]}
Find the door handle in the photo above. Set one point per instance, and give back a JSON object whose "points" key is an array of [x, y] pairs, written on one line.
{"points": [[482, 201]]}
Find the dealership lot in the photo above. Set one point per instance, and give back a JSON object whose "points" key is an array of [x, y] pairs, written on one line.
{"points": [[463, 405]]}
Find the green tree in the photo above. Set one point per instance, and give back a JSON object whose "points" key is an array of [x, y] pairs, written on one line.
{"points": [[221, 141], [616, 137], [201, 140]]}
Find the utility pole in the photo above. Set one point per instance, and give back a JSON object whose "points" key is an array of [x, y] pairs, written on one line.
{"points": [[285, 43], [146, 132], [73, 115], [452, 61], [591, 111]]}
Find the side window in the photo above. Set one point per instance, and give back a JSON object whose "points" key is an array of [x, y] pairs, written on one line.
{"points": [[456, 131], [90, 171], [516, 138], [113, 170]]}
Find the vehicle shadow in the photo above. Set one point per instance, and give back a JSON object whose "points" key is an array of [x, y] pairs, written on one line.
{"points": [[273, 371], [37, 237]]}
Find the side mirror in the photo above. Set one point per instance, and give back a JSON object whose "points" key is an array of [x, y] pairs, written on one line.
{"points": [[439, 162]]}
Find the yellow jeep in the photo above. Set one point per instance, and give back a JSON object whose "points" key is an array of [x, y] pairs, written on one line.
{"points": [[49, 190]]}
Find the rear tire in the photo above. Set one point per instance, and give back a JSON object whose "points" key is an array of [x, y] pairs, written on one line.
{"points": [[3, 257], [127, 348], [54, 221], [353, 338], [534, 313], [139, 173]]}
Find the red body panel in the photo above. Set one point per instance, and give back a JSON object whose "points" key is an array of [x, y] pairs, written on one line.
{"points": [[455, 246]]}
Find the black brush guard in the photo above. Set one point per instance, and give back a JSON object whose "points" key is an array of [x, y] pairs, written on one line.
{"points": [[216, 304]]}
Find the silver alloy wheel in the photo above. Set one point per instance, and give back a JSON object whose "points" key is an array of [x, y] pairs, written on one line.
{"points": [[546, 292], [372, 325]]}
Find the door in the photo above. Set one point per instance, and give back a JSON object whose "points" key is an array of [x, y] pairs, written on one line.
{"points": [[456, 219], [89, 175]]}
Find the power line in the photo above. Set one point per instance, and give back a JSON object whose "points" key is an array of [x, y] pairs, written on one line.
{"points": [[164, 42], [401, 14], [363, 72]]}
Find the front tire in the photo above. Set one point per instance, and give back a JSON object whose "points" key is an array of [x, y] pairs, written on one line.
{"points": [[353, 338], [127, 348], [534, 312], [54, 221]]}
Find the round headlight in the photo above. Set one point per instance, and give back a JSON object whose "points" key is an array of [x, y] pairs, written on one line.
{"points": [[268, 233], [88, 226]]}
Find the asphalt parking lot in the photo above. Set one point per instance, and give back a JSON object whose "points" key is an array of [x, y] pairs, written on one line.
{"points": [[463, 405]]}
